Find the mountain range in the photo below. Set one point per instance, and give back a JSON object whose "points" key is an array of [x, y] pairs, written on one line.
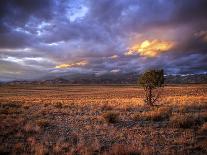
{"points": [[112, 78]]}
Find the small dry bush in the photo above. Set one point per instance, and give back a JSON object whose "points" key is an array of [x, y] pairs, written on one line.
{"points": [[61, 147], [18, 148], [10, 105], [158, 114], [10, 111], [42, 123], [106, 107], [111, 117], [203, 116], [32, 128], [10, 108], [203, 129], [118, 149], [58, 105], [193, 107], [185, 120], [40, 149], [201, 146]]}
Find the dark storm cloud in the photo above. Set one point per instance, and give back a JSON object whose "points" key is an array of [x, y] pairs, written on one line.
{"points": [[19, 11], [186, 11], [66, 32]]}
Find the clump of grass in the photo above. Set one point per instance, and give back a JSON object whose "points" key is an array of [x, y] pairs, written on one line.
{"points": [[201, 146], [106, 107], [10, 108], [11, 105], [59, 105], [203, 116], [18, 148], [8, 111], [192, 108], [43, 123], [32, 128], [185, 120], [111, 117], [26, 107], [46, 104], [122, 150], [61, 147], [155, 115], [40, 149], [203, 129]]}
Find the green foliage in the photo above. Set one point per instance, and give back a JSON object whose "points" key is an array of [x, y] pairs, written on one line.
{"points": [[152, 79]]}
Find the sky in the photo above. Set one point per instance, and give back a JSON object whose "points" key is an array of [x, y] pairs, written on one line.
{"points": [[40, 38]]}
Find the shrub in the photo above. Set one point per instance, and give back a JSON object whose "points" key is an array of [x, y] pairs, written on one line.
{"points": [[11, 105], [185, 121], [192, 108], [156, 115], [58, 105], [201, 146], [32, 128], [106, 107], [111, 117], [203, 116], [42, 123], [118, 149], [203, 129], [40, 149]]}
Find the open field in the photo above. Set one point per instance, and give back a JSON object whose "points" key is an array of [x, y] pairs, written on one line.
{"points": [[69, 119]]}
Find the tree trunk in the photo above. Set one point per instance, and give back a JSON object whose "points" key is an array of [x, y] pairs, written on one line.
{"points": [[149, 96]]}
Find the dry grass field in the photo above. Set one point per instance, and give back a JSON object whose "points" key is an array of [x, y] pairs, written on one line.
{"points": [[66, 119]]}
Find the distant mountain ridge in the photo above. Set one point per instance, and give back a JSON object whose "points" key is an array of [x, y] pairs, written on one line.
{"points": [[114, 78]]}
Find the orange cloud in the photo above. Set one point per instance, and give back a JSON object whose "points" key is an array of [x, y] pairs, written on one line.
{"points": [[76, 64], [150, 48]]}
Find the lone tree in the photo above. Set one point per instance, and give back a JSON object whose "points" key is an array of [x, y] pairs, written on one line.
{"points": [[151, 80]]}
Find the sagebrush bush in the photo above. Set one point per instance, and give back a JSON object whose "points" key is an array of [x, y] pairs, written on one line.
{"points": [[111, 117], [122, 150], [192, 108], [155, 115], [32, 128], [59, 105], [203, 116], [43, 123], [203, 129], [106, 107], [185, 120]]}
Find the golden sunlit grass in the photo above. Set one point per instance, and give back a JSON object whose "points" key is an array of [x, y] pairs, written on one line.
{"points": [[66, 119], [157, 114], [185, 120]]}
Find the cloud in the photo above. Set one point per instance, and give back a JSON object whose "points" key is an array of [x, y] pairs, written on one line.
{"points": [[115, 71], [202, 35], [150, 48], [76, 64], [102, 33], [113, 57]]}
